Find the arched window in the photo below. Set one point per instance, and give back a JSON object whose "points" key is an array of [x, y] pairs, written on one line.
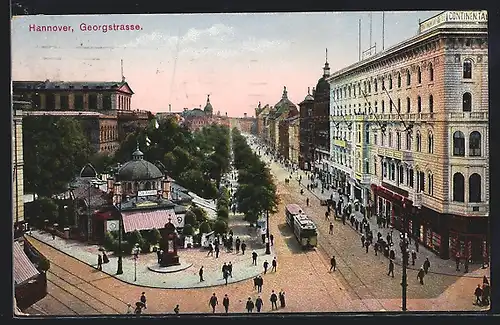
{"points": [[369, 87], [375, 85], [467, 102], [430, 142], [419, 142], [376, 108], [430, 184], [475, 188], [399, 105], [390, 82], [431, 104], [475, 144], [393, 172], [458, 144], [419, 104], [458, 187], [431, 72], [399, 80], [408, 105], [383, 107], [398, 140], [374, 165], [467, 69], [419, 76], [148, 185], [408, 77], [390, 139], [349, 89], [408, 141]]}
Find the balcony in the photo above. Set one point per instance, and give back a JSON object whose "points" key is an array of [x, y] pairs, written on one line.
{"points": [[460, 116], [469, 209]]}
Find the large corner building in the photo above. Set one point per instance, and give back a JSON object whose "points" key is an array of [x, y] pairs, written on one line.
{"points": [[409, 133]]}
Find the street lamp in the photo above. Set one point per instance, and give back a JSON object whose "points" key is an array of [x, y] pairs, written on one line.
{"points": [[404, 283], [117, 192], [135, 251], [268, 244]]}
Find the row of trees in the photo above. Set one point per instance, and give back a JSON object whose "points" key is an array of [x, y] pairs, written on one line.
{"points": [[256, 193]]}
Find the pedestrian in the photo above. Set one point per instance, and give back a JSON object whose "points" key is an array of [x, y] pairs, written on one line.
{"points": [[225, 303], [466, 265], [274, 263], [266, 265], [375, 248], [327, 215], [427, 265], [237, 244], [392, 254], [457, 261], [99, 262], [129, 309], [224, 268], [271, 238], [256, 282], [260, 283], [54, 232], [210, 250], [258, 303], [217, 250], [282, 298], [225, 275], [138, 308], [254, 258], [413, 257], [343, 219], [158, 255], [367, 244], [213, 302], [478, 293], [486, 295], [307, 202], [333, 264], [249, 305], [143, 300], [416, 245], [273, 300], [200, 273], [391, 268], [420, 275], [263, 237], [176, 310], [362, 240], [485, 280], [243, 247], [230, 269], [105, 258]]}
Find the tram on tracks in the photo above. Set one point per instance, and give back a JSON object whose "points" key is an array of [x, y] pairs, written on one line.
{"points": [[303, 228]]}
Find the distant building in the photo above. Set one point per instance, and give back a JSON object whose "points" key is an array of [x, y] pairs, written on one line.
{"points": [[281, 111], [262, 116], [104, 108], [197, 118], [306, 136], [293, 139], [245, 124]]}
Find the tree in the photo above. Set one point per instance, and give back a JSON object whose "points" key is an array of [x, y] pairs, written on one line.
{"points": [[57, 149], [200, 213], [101, 162], [223, 213], [190, 218], [135, 237], [205, 227], [188, 230], [220, 227], [47, 209]]}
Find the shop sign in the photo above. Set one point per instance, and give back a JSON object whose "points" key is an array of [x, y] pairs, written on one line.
{"points": [[455, 16]]}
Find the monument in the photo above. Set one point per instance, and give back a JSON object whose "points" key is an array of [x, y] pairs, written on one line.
{"points": [[169, 245]]}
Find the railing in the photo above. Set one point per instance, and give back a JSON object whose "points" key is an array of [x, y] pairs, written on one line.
{"points": [[483, 115]]}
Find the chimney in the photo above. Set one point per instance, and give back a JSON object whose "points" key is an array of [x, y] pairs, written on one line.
{"points": [[245, 115], [110, 182], [166, 188], [170, 107]]}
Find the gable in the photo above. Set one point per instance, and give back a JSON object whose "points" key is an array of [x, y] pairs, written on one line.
{"points": [[125, 88]]}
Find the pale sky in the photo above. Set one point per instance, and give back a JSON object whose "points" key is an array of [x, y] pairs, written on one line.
{"points": [[239, 59]]}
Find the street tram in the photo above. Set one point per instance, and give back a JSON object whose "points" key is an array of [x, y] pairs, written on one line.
{"points": [[303, 228]]}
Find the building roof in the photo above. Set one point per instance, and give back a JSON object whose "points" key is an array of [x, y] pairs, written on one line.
{"points": [[208, 107], [284, 105], [69, 85], [138, 169], [23, 270]]}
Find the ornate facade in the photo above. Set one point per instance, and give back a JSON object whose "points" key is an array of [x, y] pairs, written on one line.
{"points": [[293, 139], [410, 134], [282, 110]]}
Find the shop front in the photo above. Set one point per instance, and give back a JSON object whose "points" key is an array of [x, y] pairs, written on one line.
{"points": [[392, 205], [468, 237], [431, 231]]}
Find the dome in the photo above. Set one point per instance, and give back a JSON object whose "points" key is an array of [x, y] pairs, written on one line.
{"points": [[322, 87], [138, 169], [208, 107], [309, 96]]}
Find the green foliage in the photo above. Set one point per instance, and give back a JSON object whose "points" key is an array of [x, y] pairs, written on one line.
{"points": [[101, 162], [109, 240], [205, 227], [188, 230], [256, 193], [220, 226], [135, 237], [200, 213], [56, 149], [223, 213], [47, 209], [152, 236], [190, 218]]}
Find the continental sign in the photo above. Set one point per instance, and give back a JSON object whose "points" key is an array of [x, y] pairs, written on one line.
{"points": [[455, 16], [390, 153], [339, 143]]}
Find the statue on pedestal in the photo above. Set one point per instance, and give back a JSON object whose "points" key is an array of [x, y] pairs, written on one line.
{"points": [[169, 245]]}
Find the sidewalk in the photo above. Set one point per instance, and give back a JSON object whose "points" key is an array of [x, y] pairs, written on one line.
{"points": [[438, 265]]}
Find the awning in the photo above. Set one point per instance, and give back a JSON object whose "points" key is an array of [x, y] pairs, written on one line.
{"points": [[24, 269], [103, 215], [144, 220], [391, 196]]}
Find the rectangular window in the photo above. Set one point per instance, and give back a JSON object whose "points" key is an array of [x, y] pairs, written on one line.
{"points": [[64, 102], [92, 102], [106, 102], [78, 102], [50, 102]]}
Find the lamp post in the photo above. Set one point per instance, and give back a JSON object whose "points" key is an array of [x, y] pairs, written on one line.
{"points": [[404, 283], [268, 244], [135, 251], [117, 191]]}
